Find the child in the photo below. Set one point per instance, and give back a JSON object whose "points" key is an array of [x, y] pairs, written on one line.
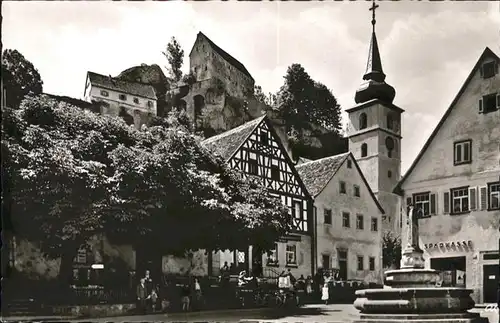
{"points": [[154, 298], [325, 295]]}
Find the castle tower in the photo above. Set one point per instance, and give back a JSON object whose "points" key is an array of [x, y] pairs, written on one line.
{"points": [[375, 134]]}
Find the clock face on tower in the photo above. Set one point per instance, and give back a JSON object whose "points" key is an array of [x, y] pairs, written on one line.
{"points": [[389, 143]]}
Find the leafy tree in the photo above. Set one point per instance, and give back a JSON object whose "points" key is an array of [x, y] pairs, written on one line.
{"points": [[20, 77], [175, 55], [72, 174], [391, 250], [302, 102], [259, 94]]}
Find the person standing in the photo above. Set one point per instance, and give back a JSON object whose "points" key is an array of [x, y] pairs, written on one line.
{"points": [[142, 295], [325, 293]]}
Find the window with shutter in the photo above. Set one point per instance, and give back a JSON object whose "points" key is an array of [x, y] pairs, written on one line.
{"points": [[494, 196], [446, 202], [472, 199], [433, 204], [489, 103], [483, 198]]}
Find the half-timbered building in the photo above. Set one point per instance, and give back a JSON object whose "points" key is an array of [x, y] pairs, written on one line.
{"points": [[255, 149]]}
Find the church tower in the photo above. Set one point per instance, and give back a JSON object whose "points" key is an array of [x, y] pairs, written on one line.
{"points": [[375, 134]]}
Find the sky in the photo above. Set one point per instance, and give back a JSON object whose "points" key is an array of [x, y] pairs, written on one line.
{"points": [[427, 48]]}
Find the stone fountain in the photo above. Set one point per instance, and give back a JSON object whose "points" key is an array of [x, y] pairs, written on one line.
{"points": [[411, 294]]}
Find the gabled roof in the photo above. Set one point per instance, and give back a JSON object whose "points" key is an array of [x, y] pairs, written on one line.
{"points": [[317, 174], [486, 53], [230, 59], [227, 143], [114, 84]]}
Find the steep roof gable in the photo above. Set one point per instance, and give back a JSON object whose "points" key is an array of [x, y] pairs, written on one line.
{"points": [[230, 59], [114, 84], [486, 53], [318, 173], [227, 143]]}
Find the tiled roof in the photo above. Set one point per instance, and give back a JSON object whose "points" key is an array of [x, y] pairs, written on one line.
{"points": [[133, 88], [230, 59], [227, 143], [317, 173], [303, 160]]}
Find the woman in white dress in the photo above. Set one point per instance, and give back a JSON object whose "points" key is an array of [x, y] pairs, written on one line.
{"points": [[325, 293]]}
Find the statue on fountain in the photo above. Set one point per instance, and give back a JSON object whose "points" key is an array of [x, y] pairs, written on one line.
{"points": [[412, 255]]}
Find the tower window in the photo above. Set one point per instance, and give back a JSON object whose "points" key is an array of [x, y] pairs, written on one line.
{"points": [[363, 122], [123, 97], [389, 144], [364, 150], [390, 122]]}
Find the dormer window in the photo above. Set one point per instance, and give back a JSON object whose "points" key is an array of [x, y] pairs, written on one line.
{"points": [[123, 97], [136, 100], [489, 69], [489, 103], [363, 121], [104, 93]]}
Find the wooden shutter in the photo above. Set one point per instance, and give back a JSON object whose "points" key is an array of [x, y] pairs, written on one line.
{"points": [[472, 198], [446, 202], [433, 206], [480, 105], [483, 198]]}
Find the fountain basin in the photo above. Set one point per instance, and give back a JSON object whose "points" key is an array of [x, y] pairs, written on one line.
{"points": [[421, 318], [412, 277], [425, 300]]}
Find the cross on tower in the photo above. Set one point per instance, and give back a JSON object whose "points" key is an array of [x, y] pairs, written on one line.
{"points": [[372, 9]]}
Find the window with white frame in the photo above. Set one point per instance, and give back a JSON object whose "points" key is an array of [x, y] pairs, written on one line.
{"points": [[422, 202], [291, 255], [360, 262], [327, 216], [494, 196], [252, 166], [460, 200], [346, 220], [372, 263], [462, 152], [374, 224], [272, 255], [356, 191], [360, 222], [342, 187]]}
